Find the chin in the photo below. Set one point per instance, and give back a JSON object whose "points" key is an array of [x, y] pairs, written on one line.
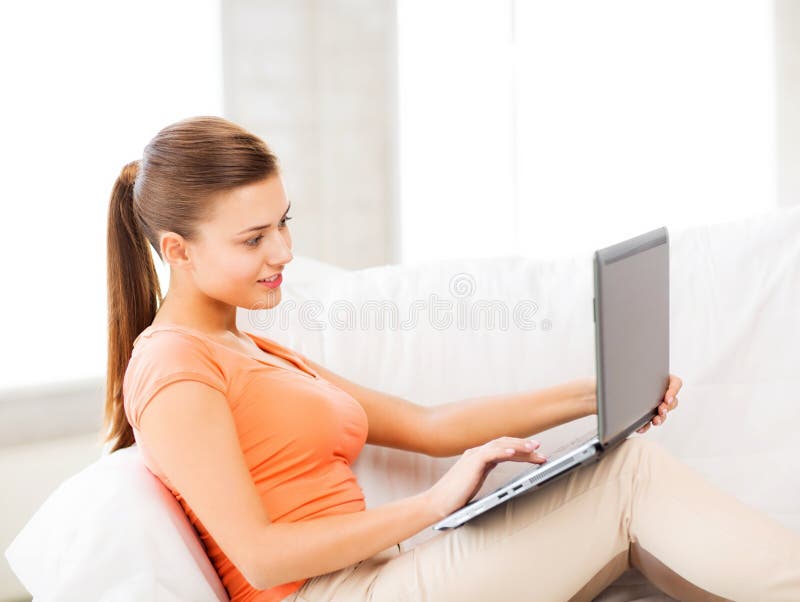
{"points": [[267, 300]]}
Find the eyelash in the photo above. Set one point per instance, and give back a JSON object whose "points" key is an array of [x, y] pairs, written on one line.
{"points": [[258, 238]]}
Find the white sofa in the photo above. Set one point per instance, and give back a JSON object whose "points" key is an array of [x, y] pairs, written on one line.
{"points": [[735, 294]]}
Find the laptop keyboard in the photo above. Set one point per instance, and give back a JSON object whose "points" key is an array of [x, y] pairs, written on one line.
{"points": [[562, 449]]}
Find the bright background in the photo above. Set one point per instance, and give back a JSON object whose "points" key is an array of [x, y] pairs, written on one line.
{"points": [[503, 127], [85, 100], [408, 131]]}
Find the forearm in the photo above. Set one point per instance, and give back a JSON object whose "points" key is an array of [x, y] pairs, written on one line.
{"points": [[460, 425], [293, 551]]}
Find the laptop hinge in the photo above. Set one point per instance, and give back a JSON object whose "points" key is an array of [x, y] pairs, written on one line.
{"points": [[636, 425]]}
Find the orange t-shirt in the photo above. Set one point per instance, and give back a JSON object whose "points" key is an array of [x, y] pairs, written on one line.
{"points": [[299, 432]]}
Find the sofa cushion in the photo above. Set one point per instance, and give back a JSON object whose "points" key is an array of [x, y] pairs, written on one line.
{"points": [[113, 532]]}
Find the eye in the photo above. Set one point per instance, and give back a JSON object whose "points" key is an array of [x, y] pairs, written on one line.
{"points": [[254, 241]]}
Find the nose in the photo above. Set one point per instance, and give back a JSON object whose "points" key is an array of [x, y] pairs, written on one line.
{"points": [[278, 251]]}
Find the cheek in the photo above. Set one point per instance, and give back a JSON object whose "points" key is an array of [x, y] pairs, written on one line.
{"points": [[243, 267], [232, 268]]}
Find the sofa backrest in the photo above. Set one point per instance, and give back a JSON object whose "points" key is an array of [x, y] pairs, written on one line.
{"points": [[735, 293]]}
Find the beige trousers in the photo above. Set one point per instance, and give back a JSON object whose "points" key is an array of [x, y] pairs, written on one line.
{"points": [[637, 506]]}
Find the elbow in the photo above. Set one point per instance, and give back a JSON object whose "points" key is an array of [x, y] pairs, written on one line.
{"points": [[257, 561], [258, 579], [255, 578], [261, 575], [256, 572]]}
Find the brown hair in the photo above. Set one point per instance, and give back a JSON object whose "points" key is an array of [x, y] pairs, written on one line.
{"points": [[171, 189]]}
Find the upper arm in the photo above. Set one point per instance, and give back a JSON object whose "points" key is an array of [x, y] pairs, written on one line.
{"points": [[393, 421], [189, 430]]}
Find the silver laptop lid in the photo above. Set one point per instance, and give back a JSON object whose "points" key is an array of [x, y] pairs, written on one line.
{"points": [[631, 283]]}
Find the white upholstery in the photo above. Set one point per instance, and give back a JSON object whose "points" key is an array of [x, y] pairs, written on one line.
{"points": [[113, 532], [735, 290]]}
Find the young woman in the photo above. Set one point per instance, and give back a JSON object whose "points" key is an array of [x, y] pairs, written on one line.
{"points": [[255, 440]]}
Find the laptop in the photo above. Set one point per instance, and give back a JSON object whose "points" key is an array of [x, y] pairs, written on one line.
{"points": [[631, 327]]}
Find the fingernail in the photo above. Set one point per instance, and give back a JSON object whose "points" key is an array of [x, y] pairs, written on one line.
{"points": [[669, 399], [529, 445]]}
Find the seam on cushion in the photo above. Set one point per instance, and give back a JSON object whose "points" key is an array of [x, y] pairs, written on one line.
{"points": [[175, 377]]}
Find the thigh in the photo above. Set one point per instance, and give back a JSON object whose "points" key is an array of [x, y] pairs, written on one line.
{"points": [[349, 584], [547, 544]]}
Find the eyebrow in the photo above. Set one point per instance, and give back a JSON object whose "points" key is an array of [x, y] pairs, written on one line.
{"points": [[265, 225]]}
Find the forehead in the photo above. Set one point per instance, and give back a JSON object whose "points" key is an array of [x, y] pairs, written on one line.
{"points": [[261, 202]]}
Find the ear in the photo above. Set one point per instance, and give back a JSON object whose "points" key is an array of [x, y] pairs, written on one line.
{"points": [[175, 250]]}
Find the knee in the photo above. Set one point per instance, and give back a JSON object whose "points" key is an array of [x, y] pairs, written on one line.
{"points": [[640, 443], [642, 450], [637, 456]]}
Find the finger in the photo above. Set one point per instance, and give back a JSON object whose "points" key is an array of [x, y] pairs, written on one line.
{"points": [[673, 387], [644, 429], [535, 458], [658, 420], [515, 442], [524, 456], [665, 408], [520, 449]]}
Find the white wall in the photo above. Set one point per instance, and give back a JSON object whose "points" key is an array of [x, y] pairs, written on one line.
{"points": [[86, 85], [316, 80], [456, 126], [634, 115], [551, 128], [787, 44]]}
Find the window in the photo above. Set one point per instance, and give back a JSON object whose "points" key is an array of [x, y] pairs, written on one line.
{"points": [[552, 128], [86, 86]]}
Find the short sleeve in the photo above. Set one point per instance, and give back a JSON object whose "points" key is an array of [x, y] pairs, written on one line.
{"points": [[163, 358]]}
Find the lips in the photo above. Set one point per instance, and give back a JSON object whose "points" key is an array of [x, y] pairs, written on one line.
{"points": [[271, 278]]}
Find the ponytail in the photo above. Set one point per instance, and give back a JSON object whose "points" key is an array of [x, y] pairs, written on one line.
{"points": [[134, 296], [171, 189]]}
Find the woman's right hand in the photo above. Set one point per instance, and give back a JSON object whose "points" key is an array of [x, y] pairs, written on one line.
{"points": [[465, 478]]}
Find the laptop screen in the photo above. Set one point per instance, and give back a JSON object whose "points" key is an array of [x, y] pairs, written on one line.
{"points": [[631, 331]]}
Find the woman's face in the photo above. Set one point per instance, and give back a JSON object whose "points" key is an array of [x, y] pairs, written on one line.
{"points": [[247, 239]]}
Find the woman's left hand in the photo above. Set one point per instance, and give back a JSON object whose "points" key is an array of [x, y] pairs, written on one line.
{"points": [[670, 403]]}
